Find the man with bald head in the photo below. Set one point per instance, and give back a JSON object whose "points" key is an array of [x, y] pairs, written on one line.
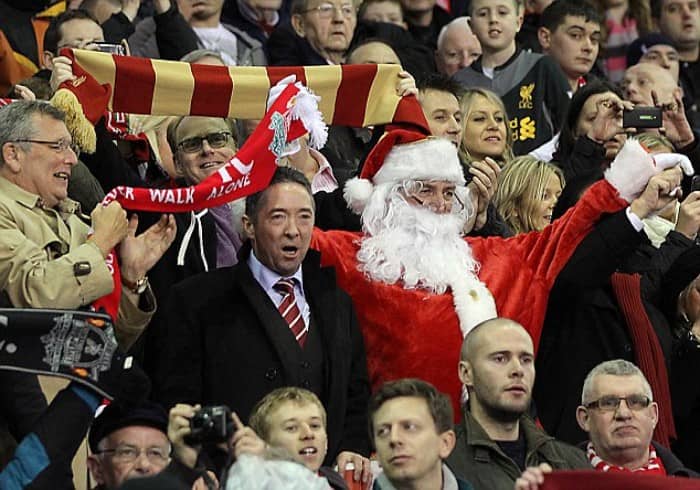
{"points": [[648, 84], [643, 78], [496, 439], [374, 52], [457, 47]]}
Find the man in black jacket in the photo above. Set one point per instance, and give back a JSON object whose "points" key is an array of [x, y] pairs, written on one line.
{"points": [[233, 336]]}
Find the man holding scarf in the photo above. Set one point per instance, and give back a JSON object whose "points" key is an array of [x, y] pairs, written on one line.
{"points": [[49, 257]]}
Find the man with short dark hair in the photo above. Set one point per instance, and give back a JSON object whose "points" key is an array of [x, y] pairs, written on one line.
{"points": [[411, 425], [496, 439], [276, 318], [439, 99], [570, 33]]}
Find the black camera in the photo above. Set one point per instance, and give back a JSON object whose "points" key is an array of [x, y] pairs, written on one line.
{"points": [[642, 117], [210, 425]]}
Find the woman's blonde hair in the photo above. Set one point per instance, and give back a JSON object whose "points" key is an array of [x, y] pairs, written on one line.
{"points": [[654, 142], [520, 186], [465, 104]]}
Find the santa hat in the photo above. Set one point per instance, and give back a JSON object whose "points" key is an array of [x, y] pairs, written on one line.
{"points": [[404, 155]]}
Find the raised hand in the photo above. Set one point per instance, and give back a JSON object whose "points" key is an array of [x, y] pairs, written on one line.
{"points": [[138, 254], [245, 440], [178, 428], [675, 123]]}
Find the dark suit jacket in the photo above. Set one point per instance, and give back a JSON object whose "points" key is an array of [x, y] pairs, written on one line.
{"points": [[227, 344]]}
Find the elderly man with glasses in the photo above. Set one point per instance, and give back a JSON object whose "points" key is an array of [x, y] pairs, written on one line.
{"points": [[619, 414], [320, 34], [128, 441]]}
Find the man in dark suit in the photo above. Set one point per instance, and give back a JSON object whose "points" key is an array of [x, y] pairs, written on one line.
{"points": [[228, 343]]}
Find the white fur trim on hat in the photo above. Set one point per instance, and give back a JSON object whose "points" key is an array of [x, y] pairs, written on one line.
{"points": [[427, 159], [357, 192], [473, 302]]}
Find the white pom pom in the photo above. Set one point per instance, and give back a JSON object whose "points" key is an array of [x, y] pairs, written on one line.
{"points": [[306, 108], [357, 193]]}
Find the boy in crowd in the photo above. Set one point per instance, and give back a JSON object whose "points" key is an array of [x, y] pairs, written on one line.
{"points": [[570, 33]]}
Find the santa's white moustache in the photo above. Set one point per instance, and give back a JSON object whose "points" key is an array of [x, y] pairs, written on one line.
{"points": [[413, 244]]}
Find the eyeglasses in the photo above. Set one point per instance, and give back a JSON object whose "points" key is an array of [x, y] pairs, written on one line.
{"points": [[91, 44], [428, 196], [326, 10], [215, 140], [129, 454], [59, 146], [612, 403]]}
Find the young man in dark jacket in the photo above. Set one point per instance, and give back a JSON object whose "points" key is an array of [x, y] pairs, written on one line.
{"points": [[496, 439]]}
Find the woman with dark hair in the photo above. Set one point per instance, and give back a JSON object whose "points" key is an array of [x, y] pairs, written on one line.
{"points": [[589, 138]]}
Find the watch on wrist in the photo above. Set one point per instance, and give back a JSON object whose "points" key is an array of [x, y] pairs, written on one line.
{"points": [[137, 287]]}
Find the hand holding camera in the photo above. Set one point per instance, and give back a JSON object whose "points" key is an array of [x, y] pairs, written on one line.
{"points": [[189, 427]]}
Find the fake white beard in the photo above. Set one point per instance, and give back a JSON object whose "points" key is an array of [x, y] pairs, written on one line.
{"points": [[412, 244]]}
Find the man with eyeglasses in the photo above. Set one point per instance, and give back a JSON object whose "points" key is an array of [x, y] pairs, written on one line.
{"points": [[619, 414], [128, 441], [320, 34], [49, 256]]}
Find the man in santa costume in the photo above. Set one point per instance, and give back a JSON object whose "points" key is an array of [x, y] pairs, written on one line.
{"points": [[418, 286]]}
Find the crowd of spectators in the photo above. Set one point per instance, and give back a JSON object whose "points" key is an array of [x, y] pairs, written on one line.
{"points": [[377, 313]]}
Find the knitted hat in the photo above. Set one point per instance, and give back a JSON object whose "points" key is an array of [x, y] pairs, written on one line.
{"points": [[404, 155], [118, 415], [642, 44]]}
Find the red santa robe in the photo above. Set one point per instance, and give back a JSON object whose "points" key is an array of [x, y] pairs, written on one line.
{"points": [[414, 333]]}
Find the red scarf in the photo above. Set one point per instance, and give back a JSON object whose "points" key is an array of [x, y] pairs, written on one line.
{"points": [[586, 480], [647, 350], [654, 466]]}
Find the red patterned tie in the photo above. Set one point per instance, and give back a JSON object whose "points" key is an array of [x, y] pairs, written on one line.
{"points": [[290, 311]]}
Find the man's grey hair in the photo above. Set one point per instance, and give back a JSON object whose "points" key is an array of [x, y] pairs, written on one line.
{"points": [[17, 121], [459, 21], [616, 367], [198, 54]]}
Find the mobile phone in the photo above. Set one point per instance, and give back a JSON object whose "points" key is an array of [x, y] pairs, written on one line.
{"points": [[111, 48], [642, 117], [695, 183]]}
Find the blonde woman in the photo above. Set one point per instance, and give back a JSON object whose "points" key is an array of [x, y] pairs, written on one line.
{"points": [[528, 190], [484, 128]]}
